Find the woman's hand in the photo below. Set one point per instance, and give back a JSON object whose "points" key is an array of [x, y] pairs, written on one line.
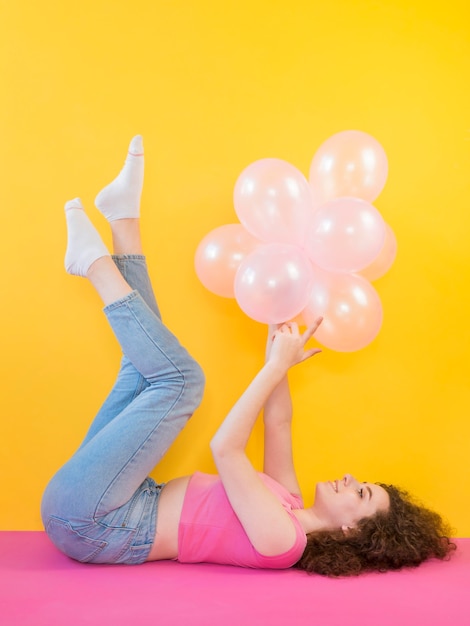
{"points": [[286, 345]]}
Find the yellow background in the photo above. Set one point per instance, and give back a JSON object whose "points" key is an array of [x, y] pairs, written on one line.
{"points": [[214, 86]]}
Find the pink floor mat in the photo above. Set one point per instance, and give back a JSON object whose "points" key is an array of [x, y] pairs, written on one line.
{"points": [[41, 587]]}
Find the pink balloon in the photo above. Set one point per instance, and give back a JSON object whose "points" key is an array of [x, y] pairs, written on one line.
{"points": [[219, 255], [350, 163], [273, 283], [351, 310], [385, 259], [345, 235], [273, 201]]}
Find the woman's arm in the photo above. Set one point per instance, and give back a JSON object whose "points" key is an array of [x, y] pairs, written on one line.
{"points": [[264, 519], [278, 453]]}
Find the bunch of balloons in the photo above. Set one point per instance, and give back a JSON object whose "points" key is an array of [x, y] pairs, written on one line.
{"points": [[305, 248]]}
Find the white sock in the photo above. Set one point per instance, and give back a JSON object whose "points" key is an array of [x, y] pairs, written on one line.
{"points": [[121, 198], [84, 245]]}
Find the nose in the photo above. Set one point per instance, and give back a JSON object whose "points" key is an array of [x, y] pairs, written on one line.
{"points": [[350, 481]]}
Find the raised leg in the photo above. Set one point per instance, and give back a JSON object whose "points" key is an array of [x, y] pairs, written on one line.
{"points": [[128, 258], [104, 473], [129, 382], [126, 444]]}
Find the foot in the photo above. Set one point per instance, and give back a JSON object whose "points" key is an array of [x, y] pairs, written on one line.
{"points": [[84, 245], [121, 198]]}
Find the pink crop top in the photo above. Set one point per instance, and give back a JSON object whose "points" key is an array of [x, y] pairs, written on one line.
{"points": [[210, 532]]}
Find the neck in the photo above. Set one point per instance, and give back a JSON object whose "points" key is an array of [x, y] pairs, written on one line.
{"points": [[309, 521]]}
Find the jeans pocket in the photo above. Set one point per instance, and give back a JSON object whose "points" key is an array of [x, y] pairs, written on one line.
{"points": [[71, 542]]}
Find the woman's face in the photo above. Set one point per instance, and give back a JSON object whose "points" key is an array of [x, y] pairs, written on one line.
{"points": [[342, 503]]}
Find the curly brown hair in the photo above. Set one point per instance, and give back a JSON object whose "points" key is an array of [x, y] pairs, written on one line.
{"points": [[404, 536]]}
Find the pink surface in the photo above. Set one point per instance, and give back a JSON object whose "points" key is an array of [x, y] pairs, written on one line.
{"points": [[39, 586]]}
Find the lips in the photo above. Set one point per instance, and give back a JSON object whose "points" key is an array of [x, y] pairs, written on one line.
{"points": [[334, 485]]}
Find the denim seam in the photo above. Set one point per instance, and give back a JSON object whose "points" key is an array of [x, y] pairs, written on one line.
{"points": [[122, 301], [131, 534], [131, 257], [144, 330], [135, 455], [125, 302]]}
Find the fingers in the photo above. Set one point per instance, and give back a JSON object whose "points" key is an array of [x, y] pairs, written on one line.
{"points": [[309, 353], [290, 343], [289, 327], [311, 330], [271, 333], [317, 323], [294, 327]]}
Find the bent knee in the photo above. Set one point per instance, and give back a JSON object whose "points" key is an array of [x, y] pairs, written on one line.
{"points": [[60, 500]]}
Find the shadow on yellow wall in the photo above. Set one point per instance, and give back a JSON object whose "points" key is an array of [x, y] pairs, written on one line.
{"points": [[212, 87]]}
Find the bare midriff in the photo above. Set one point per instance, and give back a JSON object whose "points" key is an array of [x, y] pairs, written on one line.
{"points": [[170, 506]]}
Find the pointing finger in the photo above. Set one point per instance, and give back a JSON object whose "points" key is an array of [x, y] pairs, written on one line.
{"points": [[312, 328]]}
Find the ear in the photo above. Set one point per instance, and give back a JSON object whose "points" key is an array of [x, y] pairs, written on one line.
{"points": [[346, 529]]}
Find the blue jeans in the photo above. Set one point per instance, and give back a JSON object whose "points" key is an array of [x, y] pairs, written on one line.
{"points": [[101, 506]]}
